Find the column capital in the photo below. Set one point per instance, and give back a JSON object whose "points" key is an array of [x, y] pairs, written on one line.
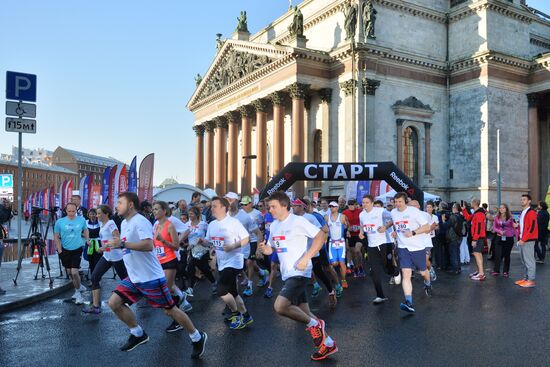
{"points": [[349, 86], [325, 94], [277, 98], [231, 117], [199, 130], [209, 126], [246, 111], [221, 122], [298, 90], [533, 100], [260, 105], [370, 86]]}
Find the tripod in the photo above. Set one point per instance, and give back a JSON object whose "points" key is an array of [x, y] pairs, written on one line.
{"points": [[37, 241]]}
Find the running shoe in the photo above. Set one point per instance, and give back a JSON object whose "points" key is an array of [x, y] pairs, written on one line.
{"points": [[398, 279], [392, 280], [495, 273], [134, 341], [478, 277], [244, 282], [82, 288], [74, 294], [316, 289], [345, 284], [379, 300], [174, 326], [78, 299], [433, 275], [265, 278], [528, 284], [248, 291], [186, 307], [318, 333], [407, 306], [428, 290], [505, 275], [231, 318], [332, 301], [237, 323], [473, 274], [339, 290], [348, 271], [268, 292], [189, 292], [362, 273], [247, 320], [323, 352], [92, 310], [519, 282], [199, 347]]}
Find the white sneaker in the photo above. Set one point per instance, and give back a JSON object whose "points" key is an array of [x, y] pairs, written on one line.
{"points": [[82, 288], [398, 279], [186, 306], [379, 300], [75, 293], [78, 299], [189, 292]]}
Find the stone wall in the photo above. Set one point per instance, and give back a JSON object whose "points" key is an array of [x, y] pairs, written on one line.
{"points": [[507, 35]]}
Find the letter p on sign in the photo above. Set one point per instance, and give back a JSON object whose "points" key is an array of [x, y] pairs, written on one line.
{"points": [[20, 86]]}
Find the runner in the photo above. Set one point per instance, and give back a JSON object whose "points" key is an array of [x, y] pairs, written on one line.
{"points": [[478, 237], [166, 244], [355, 244], [427, 237], [371, 220], [70, 235], [108, 231], [92, 250], [337, 224], [273, 259], [409, 224], [288, 238], [145, 278], [228, 237], [391, 244]]}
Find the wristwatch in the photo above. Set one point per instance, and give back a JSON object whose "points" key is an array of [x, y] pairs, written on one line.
{"points": [[122, 244], [414, 233]]}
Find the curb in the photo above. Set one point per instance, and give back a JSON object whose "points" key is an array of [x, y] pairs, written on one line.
{"points": [[35, 298]]}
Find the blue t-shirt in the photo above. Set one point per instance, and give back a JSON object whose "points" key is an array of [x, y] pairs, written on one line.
{"points": [[70, 232]]}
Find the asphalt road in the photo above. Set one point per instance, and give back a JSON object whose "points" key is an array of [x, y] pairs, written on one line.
{"points": [[493, 323]]}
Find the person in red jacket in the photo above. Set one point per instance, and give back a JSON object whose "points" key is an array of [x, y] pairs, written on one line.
{"points": [[528, 234], [478, 226]]}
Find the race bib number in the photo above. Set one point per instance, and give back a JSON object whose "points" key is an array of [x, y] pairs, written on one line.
{"points": [[402, 226], [337, 243], [355, 228], [160, 251], [280, 244], [218, 242], [369, 228]]}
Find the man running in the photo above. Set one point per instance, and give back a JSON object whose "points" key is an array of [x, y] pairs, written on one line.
{"points": [[355, 244], [409, 224], [228, 237], [372, 223], [288, 237], [337, 224], [478, 227], [427, 238], [145, 278]]}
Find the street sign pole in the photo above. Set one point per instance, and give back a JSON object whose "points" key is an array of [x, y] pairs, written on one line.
{"points": [[19, 196]]}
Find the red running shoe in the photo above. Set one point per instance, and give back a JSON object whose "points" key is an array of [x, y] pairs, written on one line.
{"points": [[318, 333], [324, 352]]}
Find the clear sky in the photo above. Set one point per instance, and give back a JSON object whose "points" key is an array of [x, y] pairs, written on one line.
{"points": [[114, 77]]}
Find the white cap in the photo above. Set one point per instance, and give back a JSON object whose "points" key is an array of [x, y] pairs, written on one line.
{"points": [[232, 195], [333, 203]]}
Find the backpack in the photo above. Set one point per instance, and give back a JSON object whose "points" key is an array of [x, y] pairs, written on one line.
{"points": [[5, 214]]}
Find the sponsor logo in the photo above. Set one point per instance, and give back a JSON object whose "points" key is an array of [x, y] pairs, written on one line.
{"points": [[276, 186], [399, 181]]}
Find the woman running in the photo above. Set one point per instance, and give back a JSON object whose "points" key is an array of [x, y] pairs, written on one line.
{"points": [[200, 253], [111, 257], [93, 253]]}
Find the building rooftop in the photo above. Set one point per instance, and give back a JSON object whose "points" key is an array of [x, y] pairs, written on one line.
{"points": [[40, 166], [94, 159]]}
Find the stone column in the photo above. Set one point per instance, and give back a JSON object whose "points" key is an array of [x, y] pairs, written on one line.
{"points": [[400, 143], [246, 121], [427, 149], [369, 141], [261, 143], [298, 94], [533, 146], [221, 150], [199, 156], [328, 132], [209, 127], [277, 98], [232, 152], [349, 126]]}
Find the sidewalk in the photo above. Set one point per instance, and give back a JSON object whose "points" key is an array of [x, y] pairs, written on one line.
{"points": [[29, 290]]}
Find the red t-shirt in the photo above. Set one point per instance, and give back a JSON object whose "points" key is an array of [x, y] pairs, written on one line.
{"points": [[353, 219]]}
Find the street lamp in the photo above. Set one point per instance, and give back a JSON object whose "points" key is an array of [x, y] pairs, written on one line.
{"points": [[245, 159]]}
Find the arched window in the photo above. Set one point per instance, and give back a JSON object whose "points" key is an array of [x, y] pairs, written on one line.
{"points": [[410, 153], [318, 146]]}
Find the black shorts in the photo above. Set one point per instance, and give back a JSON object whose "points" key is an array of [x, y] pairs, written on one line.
{"points": [[355, 239], [253, 249], [323, 256], [294, 289], [227, 282], [70, 259], [172, 264], [480, 244]]}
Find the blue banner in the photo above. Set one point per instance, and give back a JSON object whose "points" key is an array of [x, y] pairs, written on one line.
{"points": [[132, 176], [105, 185], [363, 188], [85, 191]]}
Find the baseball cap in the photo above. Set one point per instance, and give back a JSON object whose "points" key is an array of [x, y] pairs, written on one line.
{"points": [[231, 195], [246, 200], [352, 202], [333, 203], [298, 202]]}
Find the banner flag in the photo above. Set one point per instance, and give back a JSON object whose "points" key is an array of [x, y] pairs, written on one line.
{"points": [[132, 176], [111, 195], [146, 171]]}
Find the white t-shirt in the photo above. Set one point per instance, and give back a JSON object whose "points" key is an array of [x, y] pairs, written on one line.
{"points": [[387, 219], [142, 266], [427, 236], [409, 220], [370, 222], [521, 220], [257, 219], [324, 213], [106, 234], [227, 231], [178, 224], [196, 232], [289, 240]]}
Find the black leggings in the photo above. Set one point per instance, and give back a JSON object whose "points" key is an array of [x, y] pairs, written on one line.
{"points": [[320, 273], [202, 265], [503, 250], [377, 259], [101, 268]]}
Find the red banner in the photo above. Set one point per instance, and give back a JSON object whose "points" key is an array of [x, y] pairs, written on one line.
{"points": [[123, 180], [146, 171], [95, 196]]}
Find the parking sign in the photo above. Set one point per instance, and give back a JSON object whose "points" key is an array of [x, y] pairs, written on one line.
{"points": [[20, 86]]}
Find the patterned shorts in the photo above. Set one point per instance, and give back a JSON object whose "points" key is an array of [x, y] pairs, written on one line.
{"points": [[155, 291]]}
